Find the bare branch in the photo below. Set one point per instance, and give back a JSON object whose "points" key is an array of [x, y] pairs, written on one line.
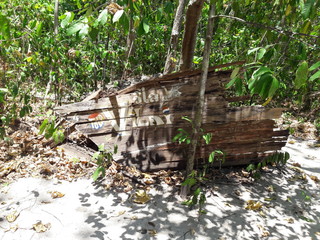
{"points": [[278, 30]]}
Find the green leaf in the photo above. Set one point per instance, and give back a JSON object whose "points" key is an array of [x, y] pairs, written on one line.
{"points": [[307, 8], [230, 84], [315, 76], [274, 87], [286, 156], [187, 202], [140, 29], [187, 119], [253, 50], [251, 167], [314, 66], [103, 17], [58, 136], [168, 7], [49, 130], [306, 27], [260, 71], [239, 86], [261, 53], [68, 17], [39, 27], [146, 26], [117, 16], [84, 31], [101, 147], [235, 73], [95, 156], [115, 149], [301, 75], [125, 23], [211, 157], [75, 28], [189, 182], [4, 27], [43, 126], [197, 192], [93, 33], [14, 90], [207, 137], [97, 172]]}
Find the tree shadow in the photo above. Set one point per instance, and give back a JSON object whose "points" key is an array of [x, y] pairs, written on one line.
{"points": [[286, 213]]}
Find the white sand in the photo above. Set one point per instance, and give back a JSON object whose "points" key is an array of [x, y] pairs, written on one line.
{"points": [[87, 211]]}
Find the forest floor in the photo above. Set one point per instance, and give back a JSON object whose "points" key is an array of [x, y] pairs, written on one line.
{"points": [[48, 193]]}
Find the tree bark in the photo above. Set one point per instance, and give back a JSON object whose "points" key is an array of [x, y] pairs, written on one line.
{"points": [[171, 60], [56, 16], [130, 46], [201, 99], [190, 33]]}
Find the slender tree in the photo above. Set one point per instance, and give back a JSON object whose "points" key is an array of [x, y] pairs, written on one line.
{"points": [[201, 99], [190, 33], [171, 60], [56, 16]]}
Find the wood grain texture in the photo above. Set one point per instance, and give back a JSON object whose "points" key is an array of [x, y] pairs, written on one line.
{"points": [[143, 119]]}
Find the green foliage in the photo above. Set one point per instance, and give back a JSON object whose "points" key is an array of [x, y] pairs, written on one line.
{"points": [[197, 178], [301, 75], [263, 83], [50, 130], [14, 103], [278, 159], [103, 158]]}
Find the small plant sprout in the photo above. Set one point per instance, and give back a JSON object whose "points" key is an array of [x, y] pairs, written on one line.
{"points": [[104, 160]]}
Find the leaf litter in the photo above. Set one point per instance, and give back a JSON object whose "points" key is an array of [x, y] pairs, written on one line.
{"points": [[28, 155]]}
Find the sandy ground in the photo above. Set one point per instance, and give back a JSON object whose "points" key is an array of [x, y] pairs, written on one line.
{"points": [[287, 202]]}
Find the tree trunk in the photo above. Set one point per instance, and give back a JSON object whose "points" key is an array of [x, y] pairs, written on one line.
{"points": [[171, 60], [56, 17], [198, 114], [130, 45], [190, 33], [56, 27]]}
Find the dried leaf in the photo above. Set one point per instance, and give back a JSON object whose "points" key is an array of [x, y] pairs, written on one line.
{"points": [[296, 169], [167, 180], [253, 205], [290, 220], [114, 7], [12, 228], [152, 232], [134, 218], [141, 197], [314, 178], [262, 214], [237, 192], [296, 165], [56, 194], [270, 188], [152, 224], [265, 234], [12, 216], [40, 227], [121, 213], [148, 181], [292, 142]]}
